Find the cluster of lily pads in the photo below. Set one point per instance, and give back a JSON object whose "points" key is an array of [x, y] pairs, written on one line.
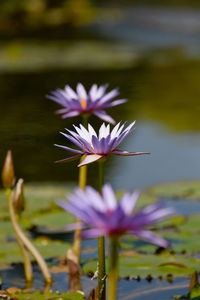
{"points": [[99, 214]]}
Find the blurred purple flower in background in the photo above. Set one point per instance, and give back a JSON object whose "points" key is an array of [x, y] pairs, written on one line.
{"points": [[81, 102], [108, 217], [97, 146]]}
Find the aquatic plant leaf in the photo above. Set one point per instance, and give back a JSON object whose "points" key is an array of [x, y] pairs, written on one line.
{"points": [[155, 265], [49, 296], [181, 189]]}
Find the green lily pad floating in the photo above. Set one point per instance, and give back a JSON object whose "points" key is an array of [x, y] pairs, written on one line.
{"points": [[49, 296], [155, 265], [182, 189], [38, 198], [10, 252]]}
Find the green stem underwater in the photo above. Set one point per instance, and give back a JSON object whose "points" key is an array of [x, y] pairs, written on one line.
{"points": [[101, 248], [113, 268]]}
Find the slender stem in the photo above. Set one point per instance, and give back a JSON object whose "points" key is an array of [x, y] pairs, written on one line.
{"points": [[113, 266], [101, 175], [82, 184], [101, 248], [28, 244], [101, 269], [77, 237], [27, 262]]}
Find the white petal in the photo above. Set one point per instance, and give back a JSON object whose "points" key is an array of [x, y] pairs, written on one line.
{"points": [[102, 130], [84, 130], [108, 130], [120, 130], [91, 131], [130, 126], [90, 159], [114, 131], [82, 134]]}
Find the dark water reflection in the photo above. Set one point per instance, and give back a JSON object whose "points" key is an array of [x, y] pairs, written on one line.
{"points": [[163, 99]]}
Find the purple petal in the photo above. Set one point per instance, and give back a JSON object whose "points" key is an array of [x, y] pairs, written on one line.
{"points": [[109, 197], [96, 144], [69, 158], [70, 114], [114, 103], [70, 92], [73, 140], [125, 153], [104, 116], [81, 91], [122, 136], [73, 210], [90, 159], [62, 110], [58, 97], [128, 202], [109, 96], [69, 149], [101, 91], [151, 215], [84, 144], [93, 91], [95, 199], [150, 237], [103, 146]]}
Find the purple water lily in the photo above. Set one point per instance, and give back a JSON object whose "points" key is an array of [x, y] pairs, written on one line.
{"points": [[106, 216], [81, 102], [97, 146]]}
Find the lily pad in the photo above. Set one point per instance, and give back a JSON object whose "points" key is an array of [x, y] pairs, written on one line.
{"points": [[155, 265], [182, 189], [49, 296]]}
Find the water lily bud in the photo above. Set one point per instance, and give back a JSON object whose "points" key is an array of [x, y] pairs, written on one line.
{"points": [[8, 173], [19, 196]]}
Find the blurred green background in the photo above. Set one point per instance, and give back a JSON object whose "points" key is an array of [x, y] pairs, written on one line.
{"points": [[150, 49]]}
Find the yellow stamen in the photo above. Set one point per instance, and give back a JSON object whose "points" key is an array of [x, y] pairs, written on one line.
{"points": [[83, 103]]}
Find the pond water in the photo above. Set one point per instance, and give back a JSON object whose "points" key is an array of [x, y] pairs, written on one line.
{"points": [[127, 289]]}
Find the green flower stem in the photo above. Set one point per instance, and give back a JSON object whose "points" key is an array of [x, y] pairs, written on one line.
{"points": [[101, 249], [113, 268], [82, 184], [27, 262], [25, 241], [77, 237]]}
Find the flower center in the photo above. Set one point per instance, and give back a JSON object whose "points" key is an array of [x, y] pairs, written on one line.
{"points": [[83, 103]]}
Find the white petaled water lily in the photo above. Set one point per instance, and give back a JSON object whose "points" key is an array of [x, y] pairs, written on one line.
{"points": [[97, 145]]}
